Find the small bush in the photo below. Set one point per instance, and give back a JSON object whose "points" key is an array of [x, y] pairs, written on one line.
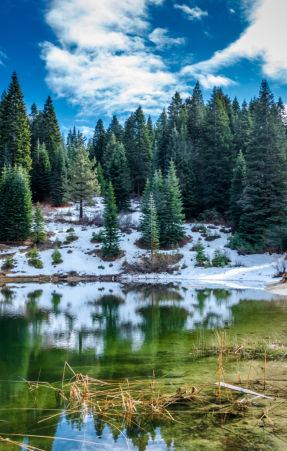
{"points": [[97, 236], [208, 263], [110, 265], [242, 246], [72, 236], [8, 263], [176, 268], [101, 267], [57, 258], [220, 259], [184, 266], [202, 228]]}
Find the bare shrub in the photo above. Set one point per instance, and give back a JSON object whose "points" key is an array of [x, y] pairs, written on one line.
{"points": [[158, 264], [241, 250], [239, 264], [125, 223]]}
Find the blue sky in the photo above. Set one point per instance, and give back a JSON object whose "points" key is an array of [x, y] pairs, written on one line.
{"points": [[97, 58]]}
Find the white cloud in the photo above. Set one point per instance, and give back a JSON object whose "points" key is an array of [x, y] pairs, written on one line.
{"points": [[104, 60], [232, 10], [192, 13], [158, 37], [263, 41]]}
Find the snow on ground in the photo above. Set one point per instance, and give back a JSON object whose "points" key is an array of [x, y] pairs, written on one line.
{"points": [[257, 269]]}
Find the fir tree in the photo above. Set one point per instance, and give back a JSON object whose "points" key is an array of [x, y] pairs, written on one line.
{"points": [[282, 112], [59, 177], [237, 186], [101, 179], [235, 107], [195, 116], [5, 159], [110, 239], [159, 191], [41, 174], [242, 127], [15, 204], [264, 200], [174, 218], [217, 156], [50, 133], [116, 129], [82, 184], [38, 227], [140, 156], [99, 140], [151, 131], [162, 135], [176, 113], [109, 150], [145, 200], [187, 182], [118, 174], [15, 127], [149, 226]]}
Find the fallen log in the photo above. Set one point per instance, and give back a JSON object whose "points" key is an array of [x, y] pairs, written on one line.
{"points": [[243, 390]]}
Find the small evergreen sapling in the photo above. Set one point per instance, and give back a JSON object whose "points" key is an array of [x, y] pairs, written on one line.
{"points": [[8, 263], [38, 228], [149, 227], [110, 238], [200, 256], [57, 258], [35, 258]]}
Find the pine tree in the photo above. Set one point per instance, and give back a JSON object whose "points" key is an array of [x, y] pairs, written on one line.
{"points": [[118, 174], [116, 129], [101, 179], [235, 107], [195, 116], [5, 159], [282, 112], [109, 150], [159, 191], [110, 238], [50, 133], [217, 156], [149, 226], [82, 184], [15, 132], [38, 227], [176, 113], [242, 127], [99, 140], [59, 177], [3, 95], [187, 182], [264, 200], [237, 187], [15, 204], [151, 131], [162, 135], [41, 174], [174, 218], [139, 154]]}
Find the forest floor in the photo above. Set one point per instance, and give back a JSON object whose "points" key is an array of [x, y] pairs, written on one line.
{"points": [[83, 257]]}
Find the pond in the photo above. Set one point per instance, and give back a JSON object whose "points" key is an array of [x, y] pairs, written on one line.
{"points": [[112, 332]]}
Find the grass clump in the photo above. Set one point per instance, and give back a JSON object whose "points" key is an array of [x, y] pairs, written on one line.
{"points": [[220, 259], [72, 236], [97, 236]]}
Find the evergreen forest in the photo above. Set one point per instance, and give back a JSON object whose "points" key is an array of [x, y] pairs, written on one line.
{"points": [[199, 161]]}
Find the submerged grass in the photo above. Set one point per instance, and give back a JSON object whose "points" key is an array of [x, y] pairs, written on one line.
{"points": [[130, 403]]}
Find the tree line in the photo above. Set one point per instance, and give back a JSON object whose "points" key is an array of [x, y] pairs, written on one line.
{"points": [[197, 161]]}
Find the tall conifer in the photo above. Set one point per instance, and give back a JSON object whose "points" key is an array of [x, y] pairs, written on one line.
{"points": [[264, 200], [118, 174], [15, 126], [174, 218], [237, 187], [59, 177], [110, 238], [99, 140], [15, 204], [51, 135]]}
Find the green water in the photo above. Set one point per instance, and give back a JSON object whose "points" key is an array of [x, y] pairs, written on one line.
{"points": [[109, 331]]}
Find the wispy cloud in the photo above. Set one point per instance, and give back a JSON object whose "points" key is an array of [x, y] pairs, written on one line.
{"points": [[232, 10], [104, 60], [192, 13], [2, 56], [160, 38], [263, 41]]}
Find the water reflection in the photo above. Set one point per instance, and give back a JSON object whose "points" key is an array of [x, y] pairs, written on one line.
{"points": [[110, 332]]}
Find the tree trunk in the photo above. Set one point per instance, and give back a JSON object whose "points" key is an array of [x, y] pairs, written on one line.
{"points": [[81, 209]]}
